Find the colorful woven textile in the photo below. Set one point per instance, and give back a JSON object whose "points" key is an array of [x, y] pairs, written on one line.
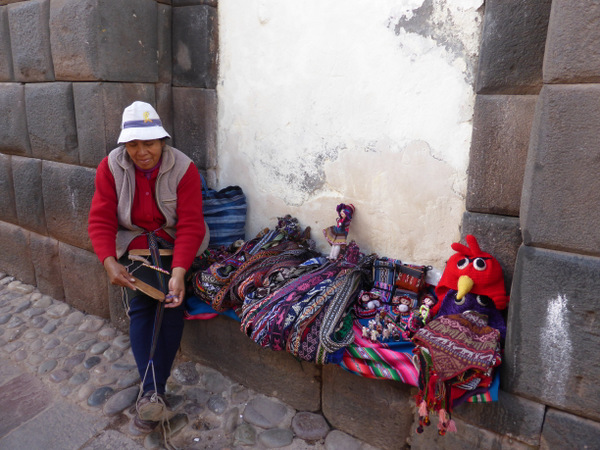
{"points": [[459, 343], [389, 360], [457, 355]]}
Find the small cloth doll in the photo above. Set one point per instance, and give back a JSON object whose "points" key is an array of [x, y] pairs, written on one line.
{"points": [[336, 235], [368, 304], [402, 304]]}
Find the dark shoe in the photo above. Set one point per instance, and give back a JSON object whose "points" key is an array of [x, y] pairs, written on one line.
{"points": [[151, 407]]}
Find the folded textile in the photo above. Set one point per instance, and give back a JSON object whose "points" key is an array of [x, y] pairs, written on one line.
{"points": [[391, 360]]}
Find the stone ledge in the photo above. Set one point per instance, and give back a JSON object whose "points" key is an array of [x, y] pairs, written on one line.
{"points": [[376, 411], [219, 343]]}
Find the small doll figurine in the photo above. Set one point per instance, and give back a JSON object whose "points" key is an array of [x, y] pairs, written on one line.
{"points": [[369, 301], [336, 235]]}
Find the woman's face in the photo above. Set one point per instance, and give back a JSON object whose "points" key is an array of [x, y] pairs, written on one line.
{"points": [[145, 154]]}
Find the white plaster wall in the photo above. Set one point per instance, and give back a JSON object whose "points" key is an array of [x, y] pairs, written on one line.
{"points": [[357, 101]]}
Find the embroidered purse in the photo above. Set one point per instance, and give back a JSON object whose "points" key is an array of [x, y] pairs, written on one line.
{"points": [[411, 277]]}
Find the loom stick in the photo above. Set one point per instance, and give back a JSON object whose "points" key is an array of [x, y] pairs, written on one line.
{"points": [[148, 290]]}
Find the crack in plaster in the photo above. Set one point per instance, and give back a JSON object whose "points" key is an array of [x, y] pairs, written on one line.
{"points": [[436, 21]]}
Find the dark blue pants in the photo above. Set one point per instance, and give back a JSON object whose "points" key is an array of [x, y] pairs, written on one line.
{"points": [[142, 315]]}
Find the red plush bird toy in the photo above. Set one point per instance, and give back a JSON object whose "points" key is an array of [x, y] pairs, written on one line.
{"points": [[458, 350], [471, 270]]}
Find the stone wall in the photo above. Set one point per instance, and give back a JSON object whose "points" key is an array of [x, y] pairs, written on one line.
{"points": [[553, 331], [534, 158], [69, 67], [67, 70]]}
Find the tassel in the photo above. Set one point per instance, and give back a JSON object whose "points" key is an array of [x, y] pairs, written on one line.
{"points": [[423, 409], [442, 423], [452, 426]]}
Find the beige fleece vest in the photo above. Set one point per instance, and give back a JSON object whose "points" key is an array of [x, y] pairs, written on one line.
{"points": [[173, 167]]}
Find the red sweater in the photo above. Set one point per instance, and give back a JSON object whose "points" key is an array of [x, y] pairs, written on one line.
{"points": [[103, 224]]}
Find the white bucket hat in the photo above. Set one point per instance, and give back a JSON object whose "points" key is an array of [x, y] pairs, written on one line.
{"points": [[141, 122]]}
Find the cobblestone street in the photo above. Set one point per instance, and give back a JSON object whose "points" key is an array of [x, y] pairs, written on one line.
{"points": [[68, 381]]}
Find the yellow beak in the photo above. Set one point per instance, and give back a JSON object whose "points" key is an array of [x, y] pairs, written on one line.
{"points": [[465, 284]]}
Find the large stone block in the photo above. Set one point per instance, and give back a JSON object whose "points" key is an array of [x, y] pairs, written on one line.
{"points": [[194, 2], [511, 416], [219, 343], [573, 40], [15, 255], [467, 437], [6, 65], [195, 117], [195, 46], [98, 109], [501, 131], [74, 39], [8, 208], [558, 205], [117, 309], [164, 105], [552, 336], [497, 235], [563, 430], [105, 40], [379, 412], [46, 262], [165, 53], [68, 192], [512, 46], [90, 117], [51, 121], [27, 180], [30, 40], [13, 120], [84, 280], [118, 96], [22, 397]]}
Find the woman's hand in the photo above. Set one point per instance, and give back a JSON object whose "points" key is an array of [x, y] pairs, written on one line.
{"points": [[117, 274], [176, 288]]}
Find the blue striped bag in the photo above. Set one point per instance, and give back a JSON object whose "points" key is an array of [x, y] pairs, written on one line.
{"points": [[225, 214]]}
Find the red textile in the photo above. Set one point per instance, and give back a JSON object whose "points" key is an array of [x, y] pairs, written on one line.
{"points": [[103, 223]]}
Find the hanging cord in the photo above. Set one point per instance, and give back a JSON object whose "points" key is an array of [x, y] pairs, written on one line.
{"points": [[163, 287], [124, 290]]}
